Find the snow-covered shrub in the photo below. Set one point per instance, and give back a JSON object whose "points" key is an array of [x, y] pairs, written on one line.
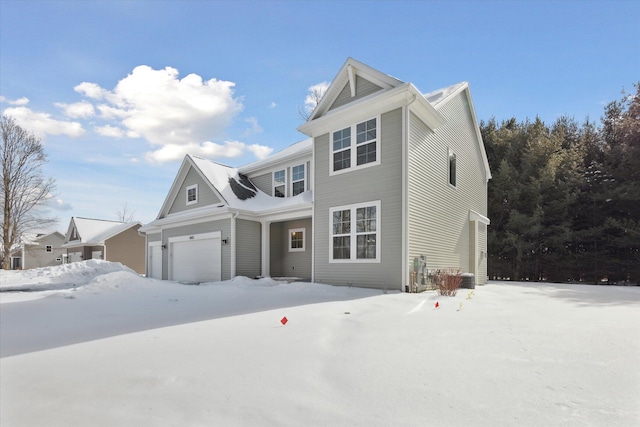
{"points": [[448, 280]]}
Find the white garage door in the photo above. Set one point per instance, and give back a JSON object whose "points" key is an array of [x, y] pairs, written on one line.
{"points": [[155, 260], [75, 256], [195, 258]]}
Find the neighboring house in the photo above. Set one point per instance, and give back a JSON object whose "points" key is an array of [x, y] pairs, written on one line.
{"points": [[107, 240], [43, 250], [389, 176]]}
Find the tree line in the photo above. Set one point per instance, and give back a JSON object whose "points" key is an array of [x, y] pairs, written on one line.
{"points": [[564, 200]]}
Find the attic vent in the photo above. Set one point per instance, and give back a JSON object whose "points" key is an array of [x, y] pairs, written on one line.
{"points": [[245, 181], [240, 190]]}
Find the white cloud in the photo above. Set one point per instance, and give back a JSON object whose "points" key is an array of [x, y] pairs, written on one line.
{"points": [[91, 90], [19, 101], [77, 110], [316, 92], [273, 105], [164, 109], [172, 152], [58, 204], [111, 131], [42, 124], [260, 151], [254, 126]]}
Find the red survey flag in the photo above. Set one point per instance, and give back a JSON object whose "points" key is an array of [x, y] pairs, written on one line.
{"points": [[284, 320], [437, 304]]}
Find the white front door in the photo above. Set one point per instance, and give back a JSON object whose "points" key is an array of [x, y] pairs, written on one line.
{"points": [[196, 258]]}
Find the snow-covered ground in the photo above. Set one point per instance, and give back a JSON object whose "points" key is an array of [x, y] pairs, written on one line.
{"points": [[114, 348]]}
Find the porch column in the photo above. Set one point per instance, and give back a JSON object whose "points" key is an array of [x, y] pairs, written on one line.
{"points": [[265, 252]]}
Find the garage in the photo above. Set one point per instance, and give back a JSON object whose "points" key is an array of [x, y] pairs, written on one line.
{"points": [[195, 258]]}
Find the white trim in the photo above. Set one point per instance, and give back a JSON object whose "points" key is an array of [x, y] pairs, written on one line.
{"points": [[273, 182], [304, 238], [232, 236], [191, 202], [186, 238], [147, 253], [266, 257], [405, 198], [304, 178], [353, 233], [450, 153], [353, 147]]}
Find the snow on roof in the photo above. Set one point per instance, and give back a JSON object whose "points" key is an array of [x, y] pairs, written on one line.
{"points": [[98, 230], [299, 148], [221, 176], [437, 96]]}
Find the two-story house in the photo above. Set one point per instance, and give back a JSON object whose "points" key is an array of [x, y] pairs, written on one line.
{"points": [[389, 181]]}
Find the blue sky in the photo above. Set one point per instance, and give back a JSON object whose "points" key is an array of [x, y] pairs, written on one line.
{"points": [[120, 90]]}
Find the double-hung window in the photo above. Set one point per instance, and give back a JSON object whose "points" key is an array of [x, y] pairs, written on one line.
{"points": [[279, 183], [364, 151], [48, 248], [297, 180], [355, 231]]}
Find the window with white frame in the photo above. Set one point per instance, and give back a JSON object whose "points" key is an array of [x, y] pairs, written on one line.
{"points": [[296, 239], [279, 183], [452, 168], [297, 179], [48, 248], [192, 194], [355, 232], [365, 150]]}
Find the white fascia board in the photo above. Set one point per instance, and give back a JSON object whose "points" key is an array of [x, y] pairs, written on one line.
{"points": [[192, 216], [361, 109], [475, 216], [423, 109], [276, 164]]}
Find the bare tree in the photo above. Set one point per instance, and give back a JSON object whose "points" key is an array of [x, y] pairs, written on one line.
{"points": [[24, 190], [124, 213], [316, 92]]}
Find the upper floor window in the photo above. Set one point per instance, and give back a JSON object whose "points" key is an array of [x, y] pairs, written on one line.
{"points": [[48, 248], [452, 168], [279, 183], [365, 150], [297, 180], [355, 233], [192, 194]]}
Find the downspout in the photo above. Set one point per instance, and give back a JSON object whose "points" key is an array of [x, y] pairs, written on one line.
{"points": [[233, 244], [405, 198]]}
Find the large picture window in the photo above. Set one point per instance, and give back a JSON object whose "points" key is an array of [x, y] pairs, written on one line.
{"points": [[365, 151], [355, 231]]}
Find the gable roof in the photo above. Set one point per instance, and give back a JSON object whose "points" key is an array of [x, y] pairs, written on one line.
{"points": [[96, 231], [299, 149], [234, 189], [442, 97], [347, 74]]}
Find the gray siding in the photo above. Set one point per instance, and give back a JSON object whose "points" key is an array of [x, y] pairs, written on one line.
{"points": [[224, 226], [36, 255], [382, 182], [439, 225], [283, 262], [264, 182], [363, 88], [154, 237], [248, 244], [205, 195]]}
